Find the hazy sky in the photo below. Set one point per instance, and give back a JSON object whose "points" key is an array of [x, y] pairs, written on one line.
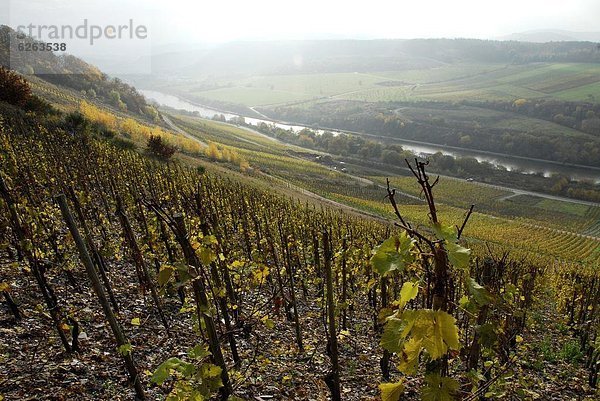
{"points": [[224, 20]]}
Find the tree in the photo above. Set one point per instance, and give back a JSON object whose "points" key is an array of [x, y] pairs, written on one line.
{"points": [[76, 122], [213, 152], [591, 125], [115, 98], [391, 157]]}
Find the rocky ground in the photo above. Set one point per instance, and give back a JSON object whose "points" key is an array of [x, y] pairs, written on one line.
{"points": [[546, 365]]}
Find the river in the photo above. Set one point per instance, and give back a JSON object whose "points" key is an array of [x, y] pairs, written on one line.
{"points": [[526, 165]]}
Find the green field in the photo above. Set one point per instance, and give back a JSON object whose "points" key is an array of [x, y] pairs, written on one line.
{"points": [[446, 73], [249, 96], [451, 82], [566, 81], [563, 207], [275, 89], [314, 84], [588, 93]]}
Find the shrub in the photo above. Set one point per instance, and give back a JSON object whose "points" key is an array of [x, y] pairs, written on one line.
{"points": [[38, 105], [76, 122], [14, 89], [160, 148], [212, 152]]}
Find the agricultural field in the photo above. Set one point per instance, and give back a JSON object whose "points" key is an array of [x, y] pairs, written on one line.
{"points": [[275, 89], [497, 202], [317, 85], [588, 93], [451, 82], [553, 78], [250, 96], [521, 237], [448, 72], [258, 247], [577, 82], [272, 161]]}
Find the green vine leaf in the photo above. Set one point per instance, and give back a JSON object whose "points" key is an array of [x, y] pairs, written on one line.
{"points": [[447, 233], [393, 254], [164, 274], [163, 372], [446, 331], [125, 349], [207, 255], [437, 331], [199, 352], [481, 296], [439, 388], [209, 371], [434, 331], [409, 358], [487, 335], [457, 255], [392, 338]]}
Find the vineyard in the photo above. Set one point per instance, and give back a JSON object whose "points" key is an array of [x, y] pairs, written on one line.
{"points": [[276, 158], [129, 276]]}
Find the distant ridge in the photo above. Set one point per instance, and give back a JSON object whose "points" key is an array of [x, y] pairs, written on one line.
{"points": [[334, 56], [552, 35]]}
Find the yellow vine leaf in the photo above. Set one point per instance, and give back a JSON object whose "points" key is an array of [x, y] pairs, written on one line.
{"points": [[391, 391], [408, 292]]}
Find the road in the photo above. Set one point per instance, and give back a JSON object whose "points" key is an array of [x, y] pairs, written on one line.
{"points": [[175, 128]]}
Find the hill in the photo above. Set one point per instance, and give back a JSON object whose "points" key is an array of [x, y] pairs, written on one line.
{"points": [[549, 35], [334, 56], [73, 73], [128, 272], [533, 100]]}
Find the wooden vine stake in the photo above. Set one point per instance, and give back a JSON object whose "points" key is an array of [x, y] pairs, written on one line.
{"points": [[333, 378], [22, 235], [86, 259], [140, 263], [203, 308]]}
